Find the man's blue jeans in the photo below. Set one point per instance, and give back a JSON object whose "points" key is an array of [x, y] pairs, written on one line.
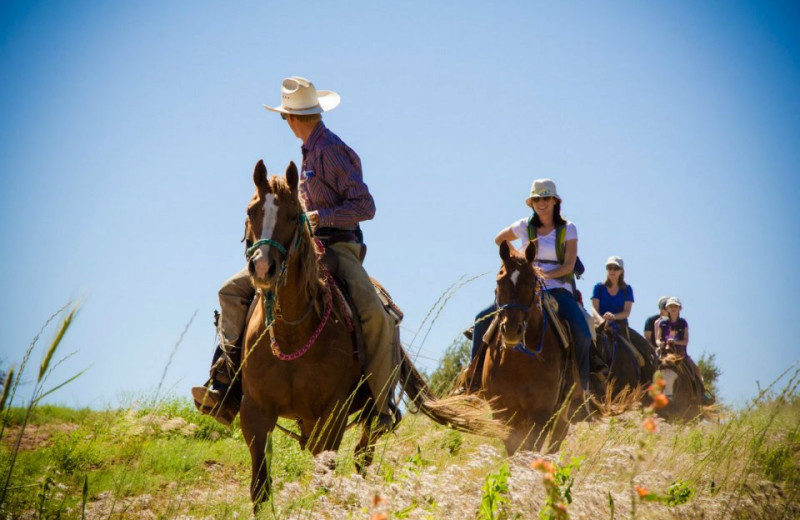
{"points": [[568, 310]]}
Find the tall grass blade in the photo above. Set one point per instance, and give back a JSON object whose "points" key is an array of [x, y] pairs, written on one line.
{"points": [[84, 495], [6, 388], [171, 356], [57, 387], [24, 363], [54, 345]]}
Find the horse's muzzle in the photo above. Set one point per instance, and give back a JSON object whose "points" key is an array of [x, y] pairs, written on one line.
{"points": [[262, 268], [513, 332]]}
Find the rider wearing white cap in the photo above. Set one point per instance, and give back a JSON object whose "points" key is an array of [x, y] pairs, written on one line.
{"points": [[613, 299]]}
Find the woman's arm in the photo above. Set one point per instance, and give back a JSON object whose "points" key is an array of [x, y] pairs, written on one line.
{"points": [[625, 312], [570, 256], [685, 340], [507, 235]]}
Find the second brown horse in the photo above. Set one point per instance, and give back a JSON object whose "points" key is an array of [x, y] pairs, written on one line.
{"points": [[528, 376]]}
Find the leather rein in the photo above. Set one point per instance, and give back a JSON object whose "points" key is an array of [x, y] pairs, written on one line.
{"points": [[526, 309]]}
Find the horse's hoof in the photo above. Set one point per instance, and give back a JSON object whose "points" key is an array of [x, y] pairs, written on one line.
{"points": [[385, 423]]}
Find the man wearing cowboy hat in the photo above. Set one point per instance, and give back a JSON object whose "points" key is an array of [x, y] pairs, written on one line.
{"points": [[336, 200]]}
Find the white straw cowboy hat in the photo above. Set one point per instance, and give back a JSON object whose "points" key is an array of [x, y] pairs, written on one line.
{"points": [[615, 260], [298, 96], [542, 188], [662, 302]]}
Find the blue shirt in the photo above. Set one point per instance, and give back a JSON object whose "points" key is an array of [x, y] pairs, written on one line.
{"points": [[613, 304]]}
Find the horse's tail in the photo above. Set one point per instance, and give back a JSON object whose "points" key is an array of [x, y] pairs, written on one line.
{"points": [[462, 412]]}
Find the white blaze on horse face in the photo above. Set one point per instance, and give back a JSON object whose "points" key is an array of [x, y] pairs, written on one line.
{"points": [[670, 376], [270, 207], [514, 278], [268, 223]]}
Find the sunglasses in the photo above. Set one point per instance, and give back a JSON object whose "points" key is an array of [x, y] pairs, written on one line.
{"points": [[612, 267], [283, 116], [544, 199]]}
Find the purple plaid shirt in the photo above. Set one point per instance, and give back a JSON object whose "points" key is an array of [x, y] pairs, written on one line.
{"points": [[331, 182]]}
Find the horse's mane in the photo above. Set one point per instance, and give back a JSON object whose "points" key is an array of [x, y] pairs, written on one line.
{"points": [[308, 255], [519, 257]]}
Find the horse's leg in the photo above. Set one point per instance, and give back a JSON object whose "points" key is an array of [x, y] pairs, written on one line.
{"points": [[365, 449], [256, 428]]}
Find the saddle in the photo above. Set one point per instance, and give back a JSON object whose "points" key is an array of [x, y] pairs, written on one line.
{"points": [[561, 327], [331, 261]]}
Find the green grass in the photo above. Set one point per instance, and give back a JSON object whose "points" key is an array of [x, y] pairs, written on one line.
{"points": [[130, 454]]}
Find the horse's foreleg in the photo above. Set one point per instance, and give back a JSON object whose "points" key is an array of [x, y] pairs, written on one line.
{"points": [[365, 449], [257, 429]]}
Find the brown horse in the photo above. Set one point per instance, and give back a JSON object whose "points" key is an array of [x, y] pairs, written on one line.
{"points": [[630, 362], [300, 361], [527, 374], [682, 389]]}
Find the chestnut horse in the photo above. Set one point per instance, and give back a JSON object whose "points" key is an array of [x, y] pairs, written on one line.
{"points": [[299, 358], [527, 374]]}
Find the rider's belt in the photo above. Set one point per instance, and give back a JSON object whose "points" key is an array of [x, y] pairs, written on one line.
{"points": [[330, 235]]}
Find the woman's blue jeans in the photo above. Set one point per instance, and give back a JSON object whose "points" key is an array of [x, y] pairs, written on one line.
{"points": [[568, 310], [482, 322]]}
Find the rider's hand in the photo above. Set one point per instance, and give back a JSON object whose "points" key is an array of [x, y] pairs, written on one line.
{"points": [[313, 219], [609, 316]]}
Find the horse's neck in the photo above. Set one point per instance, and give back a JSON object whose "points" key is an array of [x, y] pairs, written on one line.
{"points": [[294, 297]]}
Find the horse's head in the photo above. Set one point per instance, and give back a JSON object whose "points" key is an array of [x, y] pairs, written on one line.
{"points": [[516, 292], [275, 220]]}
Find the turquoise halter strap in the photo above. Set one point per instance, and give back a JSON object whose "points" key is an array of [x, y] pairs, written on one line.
{"points": [[277, 245]]}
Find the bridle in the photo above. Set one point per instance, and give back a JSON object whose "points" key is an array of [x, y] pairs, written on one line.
{"points": [[526, 309], [270, 298], [302, 218]]}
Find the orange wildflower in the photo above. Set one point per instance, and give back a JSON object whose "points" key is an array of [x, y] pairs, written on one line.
{"points": [[642, 491], [660, 401], [379, 516], [377, 500], [543, 465], [650, 425]]}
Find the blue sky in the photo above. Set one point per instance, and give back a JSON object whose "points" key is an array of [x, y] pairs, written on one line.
{"points": [[129, 132]]}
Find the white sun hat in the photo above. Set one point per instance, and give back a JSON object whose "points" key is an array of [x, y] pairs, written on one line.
{"points": [[674, 301], [543, 188], [298, 96], [615, 260]]}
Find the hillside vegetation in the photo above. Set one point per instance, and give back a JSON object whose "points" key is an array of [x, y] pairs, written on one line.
{"points": [[167, 461], [160, 459]]}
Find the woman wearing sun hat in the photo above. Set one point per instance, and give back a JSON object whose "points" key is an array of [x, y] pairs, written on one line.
{"points": [[613, 299], [556, 254]]}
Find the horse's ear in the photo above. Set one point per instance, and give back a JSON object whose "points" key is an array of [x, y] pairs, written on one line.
{"points": [[260, 174], [291, 176], [530, 251], [505, 251]]}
